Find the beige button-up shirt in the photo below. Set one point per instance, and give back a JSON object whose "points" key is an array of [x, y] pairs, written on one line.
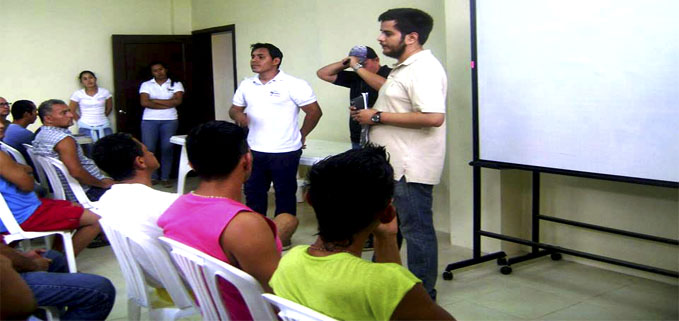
{"points": [[418, 84]]}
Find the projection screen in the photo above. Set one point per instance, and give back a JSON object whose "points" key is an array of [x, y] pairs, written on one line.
{"points": [[585, 86]]}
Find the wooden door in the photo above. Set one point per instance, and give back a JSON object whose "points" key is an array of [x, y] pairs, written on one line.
{"points": [[132, 55]]}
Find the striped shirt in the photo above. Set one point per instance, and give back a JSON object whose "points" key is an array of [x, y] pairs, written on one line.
{"points": [[44, 143]]}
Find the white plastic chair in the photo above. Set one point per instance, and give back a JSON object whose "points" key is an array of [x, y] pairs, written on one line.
{"points": [[138, 289], [203, 272], [16, 233], [53, 167], [38, 167], [18, 157], [292, 311]]}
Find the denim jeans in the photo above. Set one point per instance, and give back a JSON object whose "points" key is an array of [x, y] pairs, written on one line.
{"points": [[86, 296], [281, 168], [155, 133], [88, 132], [413, 202]]}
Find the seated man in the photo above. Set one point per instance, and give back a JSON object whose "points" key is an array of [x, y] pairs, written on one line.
{"points": [[213, 218], [131, 200], [24, 113], [84, 296], [329, 276], [34, 214], [55, 140], [4, 111]]}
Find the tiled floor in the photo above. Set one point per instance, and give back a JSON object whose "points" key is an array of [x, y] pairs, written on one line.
{"points": [[537, 290]]}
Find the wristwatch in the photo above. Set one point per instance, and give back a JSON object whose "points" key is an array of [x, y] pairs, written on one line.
{"points": [[377, 117], [357, 66]]}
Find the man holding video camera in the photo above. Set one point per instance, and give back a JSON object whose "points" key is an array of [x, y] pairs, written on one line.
{"points": [[367, 77]]}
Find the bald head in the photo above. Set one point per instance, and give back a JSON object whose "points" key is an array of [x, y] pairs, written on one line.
{"points": [[4, 108]]}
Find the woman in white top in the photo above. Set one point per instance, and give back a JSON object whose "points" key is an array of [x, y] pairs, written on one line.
{"points": [[160, 96], [91, 106]]}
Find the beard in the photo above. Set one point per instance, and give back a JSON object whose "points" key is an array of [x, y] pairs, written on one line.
{"points": [[396, 52]]}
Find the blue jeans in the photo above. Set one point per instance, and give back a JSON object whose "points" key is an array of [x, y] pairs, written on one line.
{"points": [[86, 296], [281, 168], [88, 132], [413, 202], [159, 132]]}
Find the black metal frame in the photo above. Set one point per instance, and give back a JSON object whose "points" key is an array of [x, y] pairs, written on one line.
{"points": [[538, 249]]}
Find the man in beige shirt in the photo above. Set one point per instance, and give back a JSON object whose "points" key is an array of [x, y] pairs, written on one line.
{"points": [[409, 120]]}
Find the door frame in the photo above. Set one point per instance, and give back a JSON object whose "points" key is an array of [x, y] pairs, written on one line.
{"points": [[202, 53], [118, 44]]}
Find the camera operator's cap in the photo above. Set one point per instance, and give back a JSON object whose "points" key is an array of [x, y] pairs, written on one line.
{"points": [[359, 51], [371, 53]]}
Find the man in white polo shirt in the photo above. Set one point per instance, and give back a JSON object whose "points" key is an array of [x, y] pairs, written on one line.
{"points": [[409, 120], [268, 104]]}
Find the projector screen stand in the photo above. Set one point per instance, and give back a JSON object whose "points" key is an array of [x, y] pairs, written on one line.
{"points": [[539, 249]]}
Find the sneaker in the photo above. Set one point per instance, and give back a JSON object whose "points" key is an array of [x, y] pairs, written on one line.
{"points": [[98, 241]]}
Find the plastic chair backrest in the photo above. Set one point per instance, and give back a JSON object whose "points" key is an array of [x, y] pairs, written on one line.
{"points": [[8, 218], [203, 273], [16, 233], [18, 157], [132, 272], [37, 165], [292, 311], [122, 242], [53, 167]]}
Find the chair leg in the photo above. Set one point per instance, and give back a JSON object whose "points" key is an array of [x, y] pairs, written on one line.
{"points": [[133, 310], [51, 313], [70, 254], [48, 241]]}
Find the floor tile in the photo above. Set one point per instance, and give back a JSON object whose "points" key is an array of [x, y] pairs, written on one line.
{"points": [[648, 299], [464, 310], [589, 311], [524, 302]]}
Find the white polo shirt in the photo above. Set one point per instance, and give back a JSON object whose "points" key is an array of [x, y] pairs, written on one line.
{"points": [[272, 110], [164, 91], [92, 108], [418, 84]]}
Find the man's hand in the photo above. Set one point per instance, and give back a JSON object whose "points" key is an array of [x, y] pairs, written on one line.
{"points": [[389, 229], [303, 141], [362, 116], [353, 60], [107, 182], [41, 263], [242, 120]]}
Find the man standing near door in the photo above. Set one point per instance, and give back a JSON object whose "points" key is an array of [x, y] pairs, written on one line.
{"points": [[272, 100]]}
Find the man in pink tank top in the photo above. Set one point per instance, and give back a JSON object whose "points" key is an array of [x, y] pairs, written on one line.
{"points": [[213, 219]]}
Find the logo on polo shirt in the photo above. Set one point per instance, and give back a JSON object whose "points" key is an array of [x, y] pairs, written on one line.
{"points": [[274, 93]]}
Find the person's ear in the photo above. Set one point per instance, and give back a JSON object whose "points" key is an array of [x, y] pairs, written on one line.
{"points": [[140, 163], [412, 38], [388, 214], [246, 161], [277, 61]]}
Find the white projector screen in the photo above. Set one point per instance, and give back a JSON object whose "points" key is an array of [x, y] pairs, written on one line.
{"points": [[580, 85]]}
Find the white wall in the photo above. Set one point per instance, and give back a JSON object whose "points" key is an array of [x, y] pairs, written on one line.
{"points": [[45, 44]]}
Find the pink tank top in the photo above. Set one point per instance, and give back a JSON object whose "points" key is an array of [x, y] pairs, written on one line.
{"points": [[198, 222]]}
